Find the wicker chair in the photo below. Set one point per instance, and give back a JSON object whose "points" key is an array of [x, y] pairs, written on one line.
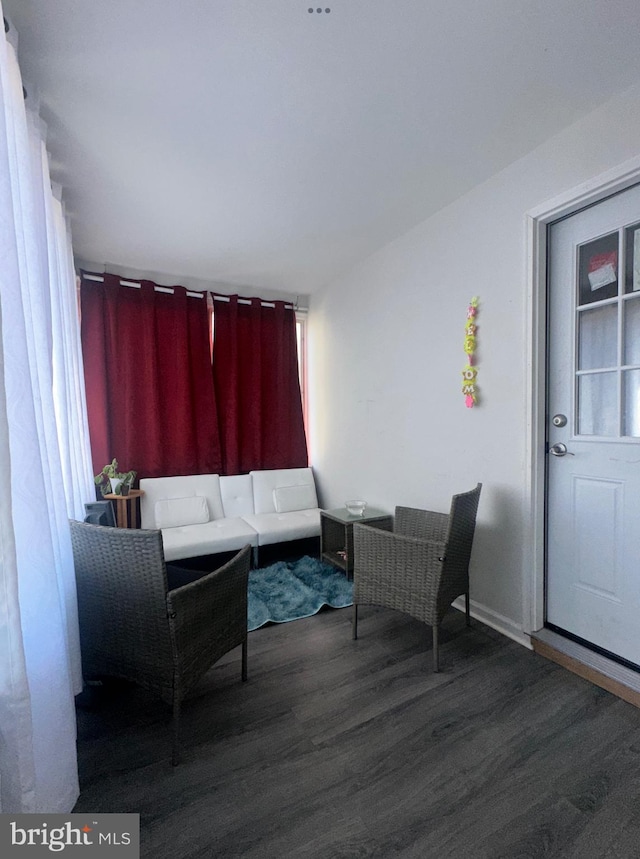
{"points": [[133, 627], [421, 566]]}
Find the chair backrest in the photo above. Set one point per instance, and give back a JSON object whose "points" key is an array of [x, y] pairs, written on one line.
{"points": [[236, 491], [462, 525], [122, 604]]}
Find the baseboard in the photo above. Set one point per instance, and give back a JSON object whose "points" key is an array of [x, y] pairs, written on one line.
{"points": [[604, 672], [496, 621]]}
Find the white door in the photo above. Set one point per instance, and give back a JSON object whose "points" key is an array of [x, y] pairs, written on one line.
{"points": [[593, 489]]}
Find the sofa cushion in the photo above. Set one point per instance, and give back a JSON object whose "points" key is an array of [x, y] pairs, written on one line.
{"points": [[219, 535], [288, 498], [279, 527], [174, 512]]}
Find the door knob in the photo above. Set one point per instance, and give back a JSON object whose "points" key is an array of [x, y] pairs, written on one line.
{"points": [[559, 449]]}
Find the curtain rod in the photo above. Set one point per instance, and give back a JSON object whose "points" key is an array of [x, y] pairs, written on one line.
{"points": [[136, 285], [248, 301]]}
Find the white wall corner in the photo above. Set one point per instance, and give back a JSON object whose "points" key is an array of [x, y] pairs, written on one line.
{"points": [[499, 622]]}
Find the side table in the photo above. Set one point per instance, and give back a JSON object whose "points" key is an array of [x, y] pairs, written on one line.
{"points": [[336, 534], [123, 503]]}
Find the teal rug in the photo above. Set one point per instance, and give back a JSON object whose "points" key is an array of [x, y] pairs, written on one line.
{"points": [[291, 590]]}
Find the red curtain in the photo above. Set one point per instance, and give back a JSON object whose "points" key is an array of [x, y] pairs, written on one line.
{"points": [[147, 364], [257, 386]]}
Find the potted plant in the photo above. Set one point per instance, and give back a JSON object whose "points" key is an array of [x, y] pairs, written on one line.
{"points": [[112, 480]]}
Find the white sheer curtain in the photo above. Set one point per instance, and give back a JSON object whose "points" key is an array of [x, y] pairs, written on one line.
{"points": [[45, 467]]}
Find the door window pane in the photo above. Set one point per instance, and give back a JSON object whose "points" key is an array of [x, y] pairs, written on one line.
{"points": [[631, 331], [598, 338], [632, 403], [598, 269], [598, 404]]}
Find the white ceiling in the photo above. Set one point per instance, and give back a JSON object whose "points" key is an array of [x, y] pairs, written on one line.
{"points": [[253, 143]]}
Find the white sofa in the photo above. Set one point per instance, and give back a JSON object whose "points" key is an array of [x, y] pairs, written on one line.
{"points": [[202, 514]]}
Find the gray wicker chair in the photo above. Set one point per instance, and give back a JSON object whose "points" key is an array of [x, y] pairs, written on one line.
{"points": [[133, 627], [421, 566]]}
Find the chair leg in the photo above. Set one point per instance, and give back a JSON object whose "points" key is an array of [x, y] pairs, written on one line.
{"points": [[436, 655], [175, 753], [354, 621], [467, 608], [255, 557], [244, 659]]}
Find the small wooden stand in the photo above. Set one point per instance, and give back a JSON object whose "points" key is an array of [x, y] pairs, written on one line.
{"points": [[124, 520]]}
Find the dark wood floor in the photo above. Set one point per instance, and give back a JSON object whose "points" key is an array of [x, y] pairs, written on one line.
{"points": [[336, 748]]}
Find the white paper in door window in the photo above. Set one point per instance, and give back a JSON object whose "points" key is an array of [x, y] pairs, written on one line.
{"points": [[602, 269]]}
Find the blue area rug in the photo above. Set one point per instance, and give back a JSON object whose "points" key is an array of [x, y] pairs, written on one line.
{"points": [[291, 590]]}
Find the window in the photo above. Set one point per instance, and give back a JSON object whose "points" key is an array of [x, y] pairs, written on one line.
{"points": [[301, 338]]}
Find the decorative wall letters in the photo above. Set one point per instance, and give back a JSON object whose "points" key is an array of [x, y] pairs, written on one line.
{"points": [[470, 372]]}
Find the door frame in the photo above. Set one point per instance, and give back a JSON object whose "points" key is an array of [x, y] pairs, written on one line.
{"points": [[536, 221]]}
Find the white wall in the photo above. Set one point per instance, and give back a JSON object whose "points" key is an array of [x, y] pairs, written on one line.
{"points": [[388, 419]]}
